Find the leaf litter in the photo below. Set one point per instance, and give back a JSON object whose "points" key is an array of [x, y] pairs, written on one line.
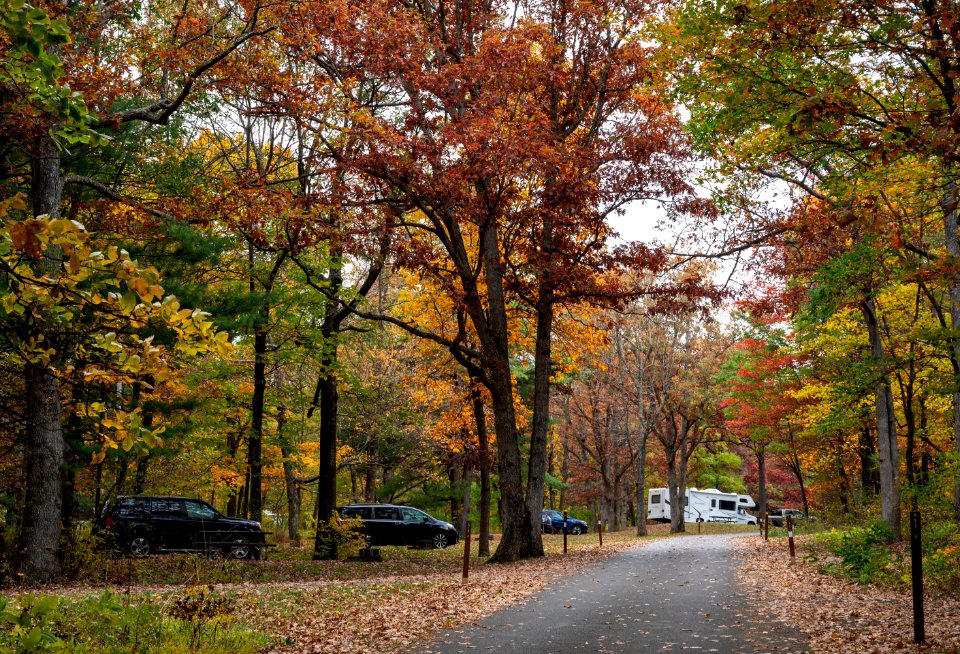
{"points": [[839, 616], [391, 614]]}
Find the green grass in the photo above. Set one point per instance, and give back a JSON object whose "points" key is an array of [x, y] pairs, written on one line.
{"points": [[189, 621]]}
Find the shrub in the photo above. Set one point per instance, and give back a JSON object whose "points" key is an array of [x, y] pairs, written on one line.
{"points": [[941, 557], [863, 552], [340, 537]]}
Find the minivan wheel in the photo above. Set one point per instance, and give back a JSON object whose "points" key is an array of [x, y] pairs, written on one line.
{"points": [[139, 546], [440, 541], [576, 530]]}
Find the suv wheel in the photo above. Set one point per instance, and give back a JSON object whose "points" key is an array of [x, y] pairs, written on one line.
{"points": [[240, 548], [440, 541], [139, 545], [576, 530]]}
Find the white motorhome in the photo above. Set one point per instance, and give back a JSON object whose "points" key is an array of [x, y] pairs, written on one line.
{"points": [[706, 505]]}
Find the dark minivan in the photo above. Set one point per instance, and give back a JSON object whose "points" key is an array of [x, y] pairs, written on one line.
{"points": [[143, 524], [392, 524]]}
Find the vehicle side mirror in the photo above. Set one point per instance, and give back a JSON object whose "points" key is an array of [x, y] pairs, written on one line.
{"points": [[426, 519]]}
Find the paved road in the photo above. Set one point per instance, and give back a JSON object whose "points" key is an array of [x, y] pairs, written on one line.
{"points": [[671, 595]]}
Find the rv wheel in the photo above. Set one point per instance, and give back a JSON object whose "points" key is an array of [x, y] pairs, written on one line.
{"points": [[699, 519]]}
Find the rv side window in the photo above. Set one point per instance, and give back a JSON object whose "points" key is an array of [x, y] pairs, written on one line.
{"points": [[713, 504], [728, 505], [686, 500], [654, 499]]}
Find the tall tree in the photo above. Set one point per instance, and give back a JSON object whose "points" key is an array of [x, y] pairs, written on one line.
{"points": [[505, 141]]}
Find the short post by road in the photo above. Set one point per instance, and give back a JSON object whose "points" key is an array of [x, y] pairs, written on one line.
{"points": [[466, 554], [766, 526], [793, 552], [916, 564], [600, 531], [564, 532]]}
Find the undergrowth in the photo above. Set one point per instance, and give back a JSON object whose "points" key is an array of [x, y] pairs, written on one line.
{"points": [[195, 619], [867, 555]]}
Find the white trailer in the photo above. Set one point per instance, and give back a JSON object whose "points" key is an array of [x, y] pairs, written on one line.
{"points": [[707, 505]]}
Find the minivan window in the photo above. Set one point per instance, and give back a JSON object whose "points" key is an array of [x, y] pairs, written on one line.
{"points": [[356, 512], [412, 515], [385, 513]]}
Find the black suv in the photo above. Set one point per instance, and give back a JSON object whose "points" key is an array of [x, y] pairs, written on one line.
{"points": [[391, 524], [144, 524], [778, 517]]}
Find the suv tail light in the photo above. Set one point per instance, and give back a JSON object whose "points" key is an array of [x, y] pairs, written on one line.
{"points": [[109, 521]]}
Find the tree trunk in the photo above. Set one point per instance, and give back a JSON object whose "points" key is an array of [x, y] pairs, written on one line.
{"points": [[642, 483], [521, 536], [676, 496], [869, 475], [467, 492], [886, 432], [514, 542], [289, 479], [484, 452], [761, 453], [43, 458], [40, 536], [255, 444], [373, 455], [952, 237], [327, 484], [543, 370], [454, 472]]}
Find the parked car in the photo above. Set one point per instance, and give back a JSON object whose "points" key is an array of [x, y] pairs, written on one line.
{"points": [[778, 517], [552, 521], [141, 525], [393, 524]]}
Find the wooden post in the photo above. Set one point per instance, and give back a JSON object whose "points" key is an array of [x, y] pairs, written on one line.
{"points": [[793, 553], [466, 554], [766, 526], [564, 529], [916, 572], [600, 531]]}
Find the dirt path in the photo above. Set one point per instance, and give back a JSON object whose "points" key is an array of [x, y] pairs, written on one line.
{"points": [[672, 595]]}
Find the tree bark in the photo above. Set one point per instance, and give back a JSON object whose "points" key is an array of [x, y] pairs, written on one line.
{"points": [[329, 405], [761, 454], [289, 479], [44, 455], [41, 527], [255, 442], [641, 467], [886, 432], [484, 452], [952, 237]]}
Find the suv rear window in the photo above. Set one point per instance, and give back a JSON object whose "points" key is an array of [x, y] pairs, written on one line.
{"points": [[164, 506], [130, 506]]}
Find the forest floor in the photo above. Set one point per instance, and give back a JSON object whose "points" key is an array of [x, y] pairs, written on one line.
{"points": [[839, 616]]}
